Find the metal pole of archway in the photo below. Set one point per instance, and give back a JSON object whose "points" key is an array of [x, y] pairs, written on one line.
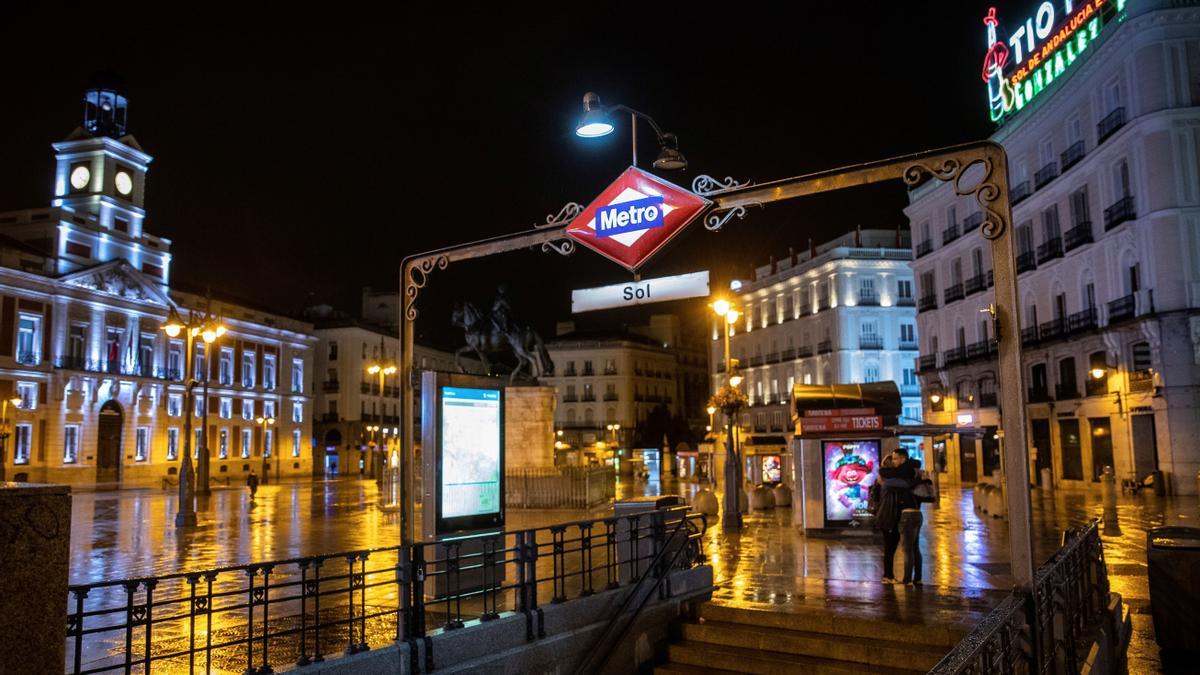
{"points": [[977, 169]]}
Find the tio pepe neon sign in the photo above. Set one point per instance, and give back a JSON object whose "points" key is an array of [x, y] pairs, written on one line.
{"points": [[1041, 49]]}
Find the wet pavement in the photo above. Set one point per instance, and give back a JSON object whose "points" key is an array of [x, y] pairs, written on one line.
{"points": [[769, 564]]}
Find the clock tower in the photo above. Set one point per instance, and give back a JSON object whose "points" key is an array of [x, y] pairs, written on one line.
{"points": [[99, 185]]}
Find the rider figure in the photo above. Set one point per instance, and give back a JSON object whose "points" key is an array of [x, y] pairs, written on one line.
{"points": [[502, 314]]}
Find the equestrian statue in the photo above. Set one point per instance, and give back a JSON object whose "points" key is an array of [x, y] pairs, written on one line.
{"points": [[498, 332]]}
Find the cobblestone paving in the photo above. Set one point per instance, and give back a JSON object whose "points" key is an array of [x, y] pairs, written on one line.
{"points": [[130, 533]]}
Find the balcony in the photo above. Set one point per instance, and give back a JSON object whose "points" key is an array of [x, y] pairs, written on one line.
{"points": [[906, 301], [588, 398], [981, 349], [972, 222], [1019, 193], [1078, 235], [805, 310], [1044, 175], [789, 354], [927, 303], [1050, 330], [588, 372], [927, 362], [1066, 392], [908, 345], [1049, 250], [953, 292], [570, 398], [1029, 335], [975, 284], [1072, 155], [1026, 261], [987, 399], [910, 389], [868, 299], [610, 370], [610, 396], [1121, 211], [331, 386], [953, 356], [1080, 322], [773, 357], [1094, 387], [367, 388], [1141, 381], [1109, 125], [1038, 395], [28, 358], [949, 234], [570, 372], [804, 352], [924, 248], [870, 341], [824, 346], [755, 361], [1122, 308], [822, 303]]}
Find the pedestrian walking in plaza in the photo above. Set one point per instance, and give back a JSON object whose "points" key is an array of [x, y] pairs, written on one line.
{"points": [[897, 475], [252, 483]]}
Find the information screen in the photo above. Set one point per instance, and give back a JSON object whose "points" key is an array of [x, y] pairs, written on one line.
{"points": [[850, 470], [471, 447]]}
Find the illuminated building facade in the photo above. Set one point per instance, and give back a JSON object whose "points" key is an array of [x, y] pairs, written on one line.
{"points": [[1104, 171], [84, 292], [842, 312]]}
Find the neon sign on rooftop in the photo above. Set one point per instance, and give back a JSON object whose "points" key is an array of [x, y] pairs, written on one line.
{"points": [[1040, 49]]}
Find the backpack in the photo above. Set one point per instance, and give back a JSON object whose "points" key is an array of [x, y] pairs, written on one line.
{"points": [[923, 490]]}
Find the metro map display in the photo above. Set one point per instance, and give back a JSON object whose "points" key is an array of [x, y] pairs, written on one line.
{"points": [[471, 439]]}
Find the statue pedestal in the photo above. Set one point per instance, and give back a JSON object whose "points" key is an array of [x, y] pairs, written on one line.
{"points": [[35, 537], [529, 427]]}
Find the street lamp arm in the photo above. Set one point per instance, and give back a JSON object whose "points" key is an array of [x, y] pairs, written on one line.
{"points": [[658, 132]]}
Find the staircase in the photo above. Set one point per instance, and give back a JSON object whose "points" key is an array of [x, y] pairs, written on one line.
{"points": [[728, 639]]}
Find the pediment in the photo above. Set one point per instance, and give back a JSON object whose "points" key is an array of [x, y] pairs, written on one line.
{"points": [[118, 279]]}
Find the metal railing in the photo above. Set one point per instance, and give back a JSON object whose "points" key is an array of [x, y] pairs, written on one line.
{"points": [[1045, 174], [1078, 235], [1042, 631], [1049, 250], [952, 293], [1026, 260], [559, 488], [870, 341], [924, 248], [1120, 211], [1019, 192], [972, 221], [1109, 125], [950, 234], [927, 303], [260, 617], [1071, 156]]}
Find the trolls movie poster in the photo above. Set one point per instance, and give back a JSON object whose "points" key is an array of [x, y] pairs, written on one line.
{"points": [[851, 467]]}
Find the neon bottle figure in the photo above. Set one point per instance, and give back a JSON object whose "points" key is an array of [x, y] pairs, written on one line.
{"points": [[999, 96]]}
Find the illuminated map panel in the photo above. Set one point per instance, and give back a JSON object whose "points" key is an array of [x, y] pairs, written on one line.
{"points": [[471, 447]]}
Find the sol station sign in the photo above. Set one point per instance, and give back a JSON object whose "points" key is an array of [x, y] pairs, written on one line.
{"points": [[635, 217], [1027, 53]]}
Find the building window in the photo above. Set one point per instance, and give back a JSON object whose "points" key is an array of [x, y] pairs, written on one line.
{"points": [[866, 290], [908, 333], [28, 393], [268, 382], [225, 370], [70, 443], [268, 408], [247, 410], [333, 350], [199, 367], [172, 444], [248, 370], [1141, 356], [226, 411], [174, 404], [871, 373], [197, 443], [247, 438], [198, 404], [909, 377], [22, 443], [904, 289], [175, 361], [296, 443], [223, 444], [297, 376], [141, 450], [297, 412], [29, 339], [268, 442]]}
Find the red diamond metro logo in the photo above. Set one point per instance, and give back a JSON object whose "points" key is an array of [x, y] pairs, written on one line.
{"points": [[635, 217]]}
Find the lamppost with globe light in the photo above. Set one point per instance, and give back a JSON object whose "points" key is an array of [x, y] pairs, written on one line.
{"points": [[730, 401], [208, 328], [264, 423], [383, 369], [5, 429]]}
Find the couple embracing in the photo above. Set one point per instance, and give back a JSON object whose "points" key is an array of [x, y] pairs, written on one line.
{"points": [[896, 499]]}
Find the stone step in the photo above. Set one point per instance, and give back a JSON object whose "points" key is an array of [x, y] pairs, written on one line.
{"points": [[878, 650], [844, 622], [685, 669], [744, 660]]}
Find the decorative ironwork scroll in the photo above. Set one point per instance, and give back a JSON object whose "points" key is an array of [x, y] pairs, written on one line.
{"points": [[564, 216], [985, 191], [418, 276], [562, 247], [705, 185]]}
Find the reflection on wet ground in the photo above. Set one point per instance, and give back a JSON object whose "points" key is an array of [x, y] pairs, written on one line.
{"points": [[767, 564]]}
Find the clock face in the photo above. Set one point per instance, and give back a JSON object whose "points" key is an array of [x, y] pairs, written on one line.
{"points": [[123, 182], [80, 177]]}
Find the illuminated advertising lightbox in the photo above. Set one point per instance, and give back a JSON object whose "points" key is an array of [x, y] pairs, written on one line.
{"points": [[470, 458], [772, 469], [850, 471], [1027, 50]]}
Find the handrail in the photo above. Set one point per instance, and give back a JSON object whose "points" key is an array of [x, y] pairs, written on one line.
{"points": [[660, 573]]}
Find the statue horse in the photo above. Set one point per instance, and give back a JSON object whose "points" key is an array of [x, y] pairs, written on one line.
{"points": [[485, 335]]}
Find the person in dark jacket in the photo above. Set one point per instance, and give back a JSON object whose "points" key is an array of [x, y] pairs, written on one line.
{"points": [[897, 475], [252, 483]]}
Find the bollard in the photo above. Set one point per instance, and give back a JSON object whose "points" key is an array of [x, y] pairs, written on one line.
{"points": [[1108, 490], [1047, 479]]}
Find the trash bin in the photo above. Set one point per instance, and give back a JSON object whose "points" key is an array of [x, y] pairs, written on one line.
{"points": [[1173, 559], [635, 555]]}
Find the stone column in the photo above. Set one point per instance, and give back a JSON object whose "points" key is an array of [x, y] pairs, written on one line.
{"points": [[35, 536], [529, 426]]}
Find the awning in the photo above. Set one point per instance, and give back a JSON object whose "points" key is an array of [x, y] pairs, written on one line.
{"points": [[883, 397], [934, 430]]}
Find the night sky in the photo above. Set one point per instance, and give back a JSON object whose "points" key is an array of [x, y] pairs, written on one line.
{"points": [[300, 162]]}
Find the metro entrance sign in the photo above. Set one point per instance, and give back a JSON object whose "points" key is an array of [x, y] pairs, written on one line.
{"points": [[635, 217]]}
